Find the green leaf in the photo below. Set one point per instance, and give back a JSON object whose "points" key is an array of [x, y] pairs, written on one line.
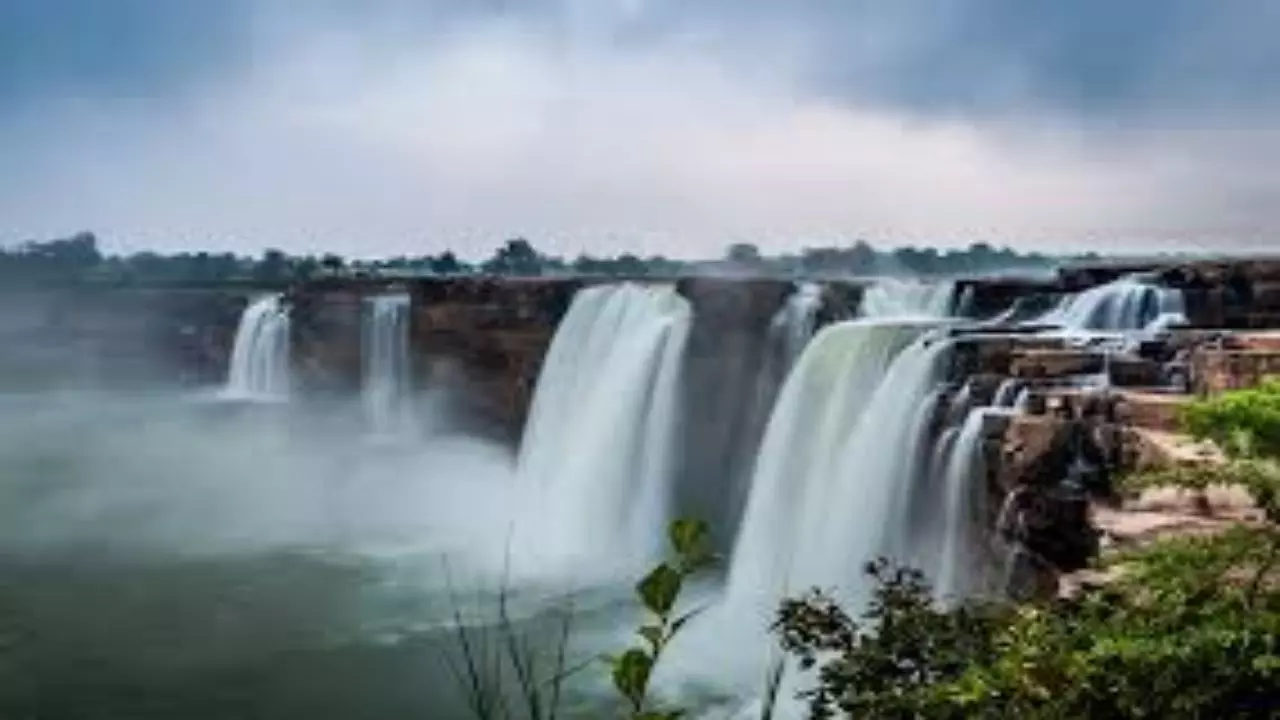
{"points": [[631, 675], [652, 635], [669, 715], [688, 537], [658, 590]]}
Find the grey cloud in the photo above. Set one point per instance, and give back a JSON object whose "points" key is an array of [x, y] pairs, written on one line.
{"points": [[1132, 58], [660, 125]]}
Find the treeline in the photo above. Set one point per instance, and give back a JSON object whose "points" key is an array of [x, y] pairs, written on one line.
{"points": [[79, 260], [861, 258]]}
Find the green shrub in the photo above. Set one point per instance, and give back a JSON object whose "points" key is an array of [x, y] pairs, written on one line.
{"points": [[1160, 643]]}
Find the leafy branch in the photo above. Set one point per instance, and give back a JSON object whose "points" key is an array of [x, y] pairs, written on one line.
{"points": [[659, 592]]}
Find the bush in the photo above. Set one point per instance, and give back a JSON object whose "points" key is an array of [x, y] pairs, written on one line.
{"points": [[1174, 638]]}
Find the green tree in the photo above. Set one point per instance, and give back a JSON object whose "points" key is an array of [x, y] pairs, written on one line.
{"points": [[743, 253], [273, 267], [332, 263], [516, 257], [446, 263]]}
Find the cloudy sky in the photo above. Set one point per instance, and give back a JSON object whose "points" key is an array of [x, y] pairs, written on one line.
{"points": [[667, 126]]}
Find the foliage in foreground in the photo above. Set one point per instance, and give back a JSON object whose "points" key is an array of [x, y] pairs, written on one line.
{"points": [[1189, 627], [659, 591], [1159, 643], [504, 674]]}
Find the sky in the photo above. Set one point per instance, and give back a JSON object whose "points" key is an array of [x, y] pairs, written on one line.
{"points": [[382, 127]]}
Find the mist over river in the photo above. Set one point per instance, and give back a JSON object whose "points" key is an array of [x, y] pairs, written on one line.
{"points": [[178, 555]]}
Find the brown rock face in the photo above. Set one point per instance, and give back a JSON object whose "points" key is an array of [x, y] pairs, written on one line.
{"points": [[1038, 364], [727, 396], [1242, 294], [490, 336], [326, 342], [1217, 369], [988, 297], [1152, 411], [1044, 512]]}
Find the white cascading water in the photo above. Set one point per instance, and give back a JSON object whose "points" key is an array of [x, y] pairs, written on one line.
{"points": [[842, 442], [260, 354], [1022, 403], [598, 451], [833, 481], [386, 388], [954, 570], [1007, 393], [889, 298], [790, 330], [793, 325], [841, 449], [1127, 304]]}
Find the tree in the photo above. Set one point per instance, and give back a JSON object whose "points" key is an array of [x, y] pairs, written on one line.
{"points": [[862, 257], [66, 260], [332, 264], [272, 268], [305, 268], [446, 264], [516, 257], [743, 254]]}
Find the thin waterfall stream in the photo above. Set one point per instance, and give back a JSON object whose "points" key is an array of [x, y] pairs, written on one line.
{"points": [[260, 355], [386, 389]]}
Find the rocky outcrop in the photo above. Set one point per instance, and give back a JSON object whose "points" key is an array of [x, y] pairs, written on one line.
{"points": [[729, 387], [989, 297], [1055, 471], [1215, 369], [326, 339]]}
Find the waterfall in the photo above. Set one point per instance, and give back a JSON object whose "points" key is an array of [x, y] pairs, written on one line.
{"points": [[965, 305], [955, 568], [260, 355], [838, 456], [385, 362], [793, 325], [1022, 403], [1007, 393], [598, 450], [1130, 303], [739, 352], [790, 330], [889, 298]]}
